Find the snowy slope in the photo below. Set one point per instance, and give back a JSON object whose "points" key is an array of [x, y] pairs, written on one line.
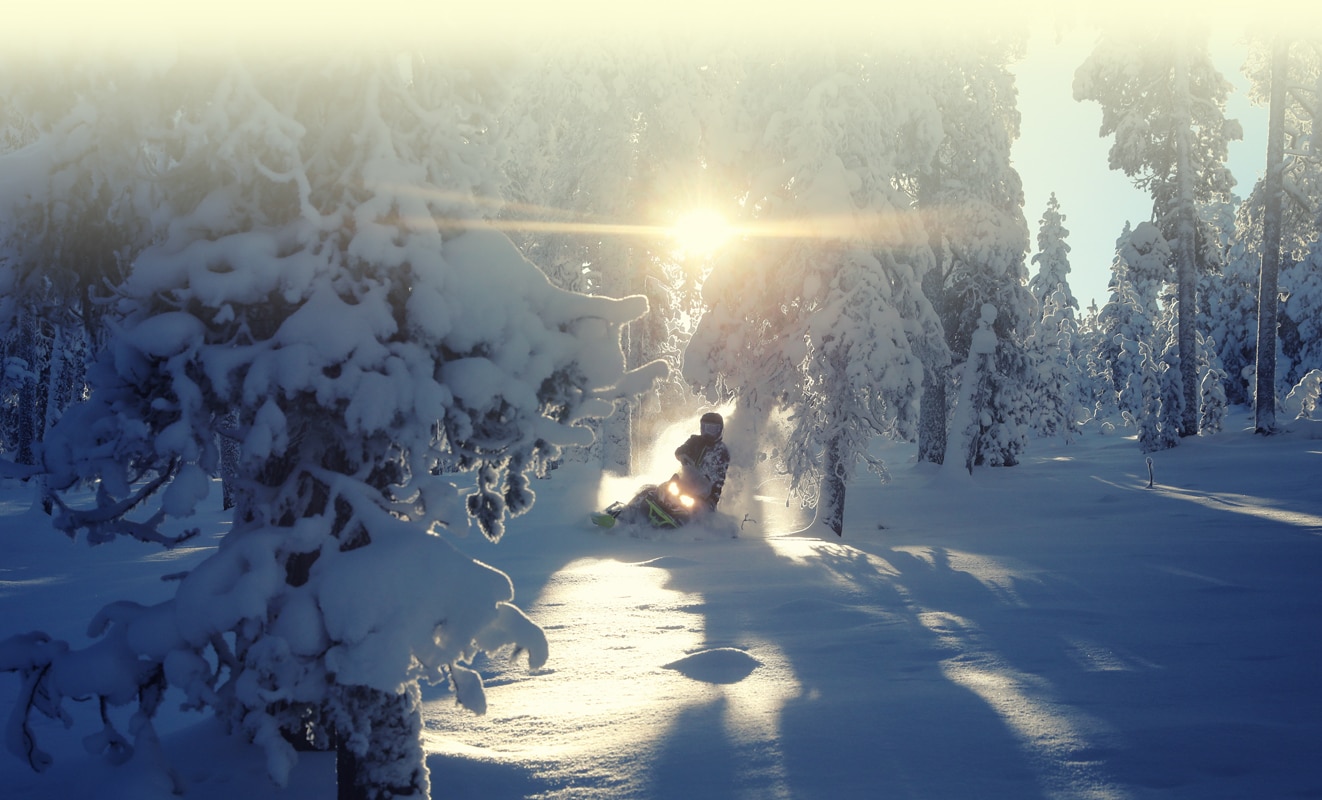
{"points": [[1053, 630]]}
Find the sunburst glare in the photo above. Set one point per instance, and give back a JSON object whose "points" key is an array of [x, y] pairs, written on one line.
{"points": [[701, 232]]}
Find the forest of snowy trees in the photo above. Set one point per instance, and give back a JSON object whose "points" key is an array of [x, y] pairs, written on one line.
{"points": [[377, 295]]}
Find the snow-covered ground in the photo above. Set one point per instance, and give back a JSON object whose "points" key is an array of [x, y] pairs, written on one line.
{"points": [[1053, 630]]}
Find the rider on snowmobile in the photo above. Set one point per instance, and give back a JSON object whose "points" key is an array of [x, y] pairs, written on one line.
{"points": [[705, 459]]}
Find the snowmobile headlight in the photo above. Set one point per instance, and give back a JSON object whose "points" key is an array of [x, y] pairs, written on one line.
{"points": [[684, 500]]}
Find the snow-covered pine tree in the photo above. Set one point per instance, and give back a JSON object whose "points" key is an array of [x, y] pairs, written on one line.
{"points": [[1301, 179], [1302, 172], [972, 199], [1213, 405], [1164, 101], [1140, 269], [68, 211], [320, 267], [1170, 409], [27, 358], [1130, 397], [1159, 399], [1096, 388], [1301, 320], [1231, 302], [1055, 375], [1053, 343], [44, 360], [1053, 260], [1301, 277], [827, 310], [1116, 312], [968, 423]]}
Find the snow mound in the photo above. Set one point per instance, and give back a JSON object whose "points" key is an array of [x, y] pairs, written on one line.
{"points": [[719, 665]]}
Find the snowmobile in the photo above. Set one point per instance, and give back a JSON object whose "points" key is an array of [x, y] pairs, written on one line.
{"points": [[669, 505]]}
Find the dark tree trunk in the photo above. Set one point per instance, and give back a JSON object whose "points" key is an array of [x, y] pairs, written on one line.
{"points": [[932, 417], [831, 505], [229, 460], [385, 760], [1186, 268], [933, 406], [1264, 402]]}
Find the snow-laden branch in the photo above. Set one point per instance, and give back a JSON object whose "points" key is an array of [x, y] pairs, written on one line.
{"points": [[108, 518]]}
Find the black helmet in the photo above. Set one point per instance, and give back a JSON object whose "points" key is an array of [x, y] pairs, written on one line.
{"points": [[711, 425]]}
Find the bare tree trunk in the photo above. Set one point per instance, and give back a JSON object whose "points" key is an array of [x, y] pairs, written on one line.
{"points": [[933, 406], [1186, 270], [229, 461], [1265, 391], [831, 506], [932, 416], [384, 760]]}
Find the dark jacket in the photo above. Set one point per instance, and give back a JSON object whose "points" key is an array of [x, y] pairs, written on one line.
{"points": [[705, 462]]}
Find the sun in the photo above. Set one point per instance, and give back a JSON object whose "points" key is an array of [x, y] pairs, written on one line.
{"points": [[700, 232]]}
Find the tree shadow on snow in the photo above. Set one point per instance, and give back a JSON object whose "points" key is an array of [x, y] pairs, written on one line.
{"points": [[871, 711], [694, 759]]}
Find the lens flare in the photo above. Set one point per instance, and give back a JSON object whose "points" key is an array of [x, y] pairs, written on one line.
{"points": [[701, 232]]}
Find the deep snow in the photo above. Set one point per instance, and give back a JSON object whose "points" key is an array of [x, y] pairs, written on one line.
{"points": [[1052, 630]]}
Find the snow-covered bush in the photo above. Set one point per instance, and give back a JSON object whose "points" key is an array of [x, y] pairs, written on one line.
{"points": [[1303, 400], [322, 292], [1171, 403], [1214, 406], [1300, 344], [968, 422]]}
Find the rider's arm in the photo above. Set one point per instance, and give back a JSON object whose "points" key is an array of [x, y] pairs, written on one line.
{"points": [[685, 452], [717, 463]]}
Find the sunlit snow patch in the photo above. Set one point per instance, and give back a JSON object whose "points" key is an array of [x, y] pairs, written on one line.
{"points": [[610, 626], [1247, 505]]}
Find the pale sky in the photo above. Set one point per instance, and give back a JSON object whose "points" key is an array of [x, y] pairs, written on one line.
{"points": [[1059, 151]]}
